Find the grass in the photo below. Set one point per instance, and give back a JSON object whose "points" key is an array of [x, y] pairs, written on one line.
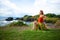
{"points": [[15, 34]]}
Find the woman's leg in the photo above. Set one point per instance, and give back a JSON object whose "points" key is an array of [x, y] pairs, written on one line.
{"points": [[35, 27], [40, 25], [45, 25]]}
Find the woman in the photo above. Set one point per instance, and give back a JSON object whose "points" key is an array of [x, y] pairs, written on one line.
{"points": [[41, 20]]}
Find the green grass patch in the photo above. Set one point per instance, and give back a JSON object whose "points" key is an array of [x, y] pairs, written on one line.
{"points": [[14, 34]]}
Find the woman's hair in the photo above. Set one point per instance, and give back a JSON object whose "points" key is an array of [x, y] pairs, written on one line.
{"points": [[41, 12]]}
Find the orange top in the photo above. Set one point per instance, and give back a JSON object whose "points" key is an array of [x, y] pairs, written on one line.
{"points": [[40, 19]]}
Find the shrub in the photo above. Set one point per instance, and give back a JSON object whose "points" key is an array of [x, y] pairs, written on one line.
{"points": [[51, 15], [19, 23]]}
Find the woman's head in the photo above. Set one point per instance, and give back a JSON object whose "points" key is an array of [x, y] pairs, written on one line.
{"points": [[41, 12]]}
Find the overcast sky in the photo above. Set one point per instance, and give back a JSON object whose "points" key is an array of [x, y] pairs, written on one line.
{"points": [[18, 8]]}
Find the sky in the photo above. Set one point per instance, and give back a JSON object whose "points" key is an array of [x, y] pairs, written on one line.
{"points": [[19, 8]]}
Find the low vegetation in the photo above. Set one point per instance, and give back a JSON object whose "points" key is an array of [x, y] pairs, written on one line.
{"points": [[51, 20], [19, 23], [57, 24]]}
